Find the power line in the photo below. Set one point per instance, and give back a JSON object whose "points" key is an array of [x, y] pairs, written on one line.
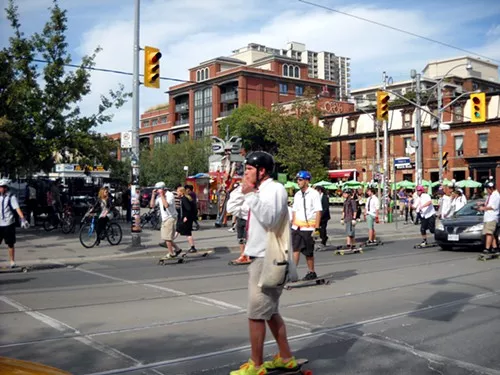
{"points": [[397, 29]]}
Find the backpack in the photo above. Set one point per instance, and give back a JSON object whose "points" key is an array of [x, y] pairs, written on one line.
{"points": [[14, 212]]}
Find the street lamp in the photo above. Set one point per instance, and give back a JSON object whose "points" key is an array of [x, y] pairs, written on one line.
{"points": [[186, 168]]}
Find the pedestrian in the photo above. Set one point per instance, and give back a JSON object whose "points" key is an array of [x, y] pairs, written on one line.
{"points": [[371, 214], [306, 219], [190, 191], [325, 214], [267, 202], [9, 207], [446, 207], [165, 200], [427, 213], [185, 218], [348, 217], [490, 218], [237, 206]]}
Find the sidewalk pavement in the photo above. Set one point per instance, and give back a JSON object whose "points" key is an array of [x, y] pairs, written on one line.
{"points": [[37, 248]]}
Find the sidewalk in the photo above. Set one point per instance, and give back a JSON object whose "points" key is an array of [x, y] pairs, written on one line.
{"points": [[36, 247]]}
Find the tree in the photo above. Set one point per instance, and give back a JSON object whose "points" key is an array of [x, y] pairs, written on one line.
{"points": [[165, 162], [250, 122], [39, 108]]}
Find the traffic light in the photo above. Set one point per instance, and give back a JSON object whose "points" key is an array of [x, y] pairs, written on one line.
{"points": [[152, 58], [382, 106], [478, 107], [445, 159]]}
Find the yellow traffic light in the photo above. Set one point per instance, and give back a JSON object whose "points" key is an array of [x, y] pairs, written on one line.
{"points": [[382, 106], [478, 107], [152, 58], [445, 159]]}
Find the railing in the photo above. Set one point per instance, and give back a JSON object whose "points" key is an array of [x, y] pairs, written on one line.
{"points": [[226, 113], [182, 122], [183, 107], [231, 95]]}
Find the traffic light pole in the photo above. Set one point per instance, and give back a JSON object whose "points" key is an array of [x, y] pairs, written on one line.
{"points": [[386, 159], [134, 188], [440, 132], [418, 134]]}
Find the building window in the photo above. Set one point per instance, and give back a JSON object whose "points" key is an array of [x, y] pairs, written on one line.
{"points": [[406, 119], [299, 90], [283, 89], [198, 76], [291, 71], [459, 145], [297, 72], [207, 96], [285, 70], [198, 116], [352, 151], [434, 147], [352, 126], [483, 143], [202, 74], [154, 122], [198, 98], [145, 124], [163, 119], [407, 146]]}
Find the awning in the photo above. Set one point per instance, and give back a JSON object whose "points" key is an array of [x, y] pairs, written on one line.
{"points": [[341, 173]]}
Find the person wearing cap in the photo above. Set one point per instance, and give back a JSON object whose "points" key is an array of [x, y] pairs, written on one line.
{"points": [[306, 217], [9, 204], [427, 213], [267, 202], [348, 217], [165, 200], [490, 218]]}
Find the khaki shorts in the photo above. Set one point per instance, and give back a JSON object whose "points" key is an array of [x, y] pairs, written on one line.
{"points": [[262, 302], [168, 229], [489, 227]]}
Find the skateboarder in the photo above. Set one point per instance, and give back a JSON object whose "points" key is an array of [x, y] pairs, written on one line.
{"points": [[237, 207], [166, 201], [267, 201], [427, 213], [8, 204], [306, 219], [325, 214], [371, 214], [348, 217], [490, 218]]}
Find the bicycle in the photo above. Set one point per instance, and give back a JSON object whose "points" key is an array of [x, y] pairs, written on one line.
{"points": [[152, 217], [88, 232], [66, 221]]}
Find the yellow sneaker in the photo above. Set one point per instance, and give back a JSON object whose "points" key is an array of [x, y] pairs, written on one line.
{"points": [[249, 369], [278, 363]]}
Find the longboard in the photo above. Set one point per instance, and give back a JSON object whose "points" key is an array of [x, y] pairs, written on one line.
{"points": [[182, 257], [378, 243], [300, 283], [298, 371], [14, 269], [486, 257], [432, 244], [356, 250]]}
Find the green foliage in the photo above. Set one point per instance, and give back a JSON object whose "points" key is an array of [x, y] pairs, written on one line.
{"points": [[39, 103], [121, 171], [165, 162]]}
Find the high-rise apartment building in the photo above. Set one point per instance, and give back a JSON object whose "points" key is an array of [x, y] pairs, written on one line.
{"points": [[321, 65]]}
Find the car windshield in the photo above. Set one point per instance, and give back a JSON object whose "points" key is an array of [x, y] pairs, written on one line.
{"points": [[469, 209]]}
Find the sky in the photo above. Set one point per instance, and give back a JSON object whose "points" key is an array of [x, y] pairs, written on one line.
{"points": [[191, 31]]}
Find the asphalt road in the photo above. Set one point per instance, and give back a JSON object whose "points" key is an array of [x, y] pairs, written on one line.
{"points": [[390, 310]]}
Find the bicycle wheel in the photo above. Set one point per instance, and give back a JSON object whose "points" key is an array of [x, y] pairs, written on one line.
{"points": [[47, 225], [114, 233], [88, 235], [68, 224]]}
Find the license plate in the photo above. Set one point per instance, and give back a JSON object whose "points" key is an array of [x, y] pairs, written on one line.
{"points": [[453, 237]]}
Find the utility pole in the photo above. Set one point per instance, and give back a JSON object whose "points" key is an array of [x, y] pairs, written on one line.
{"points": [[134, 189], [386, 158], [377, 144], [440, 132], [418, 134]]}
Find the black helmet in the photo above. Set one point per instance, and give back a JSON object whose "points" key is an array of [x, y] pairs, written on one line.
{"points": [[489, 184], [347, 191], [261, 159]]}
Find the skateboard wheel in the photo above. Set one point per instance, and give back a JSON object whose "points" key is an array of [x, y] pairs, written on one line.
{"points": [[307, 372], [361, 251]]}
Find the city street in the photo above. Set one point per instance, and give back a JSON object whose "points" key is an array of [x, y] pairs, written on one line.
{"points": [[391, 310]]}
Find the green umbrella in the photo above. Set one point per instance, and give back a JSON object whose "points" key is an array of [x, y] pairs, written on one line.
{"points": [[352, 184], [291, 185], [333, 186], [469, 184], [405, 185], [322, 183]]}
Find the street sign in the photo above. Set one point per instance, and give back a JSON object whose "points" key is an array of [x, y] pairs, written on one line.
{"points": [[126, 139], [402, 163]]}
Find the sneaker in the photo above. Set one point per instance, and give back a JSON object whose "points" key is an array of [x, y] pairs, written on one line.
{"points": [[178, 251], [424, 243], [192, 250], [277, 363], [249, 369], [310, 276], [170, 256], [232, 230], [13, 265]]}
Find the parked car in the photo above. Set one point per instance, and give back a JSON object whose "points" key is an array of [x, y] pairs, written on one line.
{"points": [[145, 197], [464, 229]]}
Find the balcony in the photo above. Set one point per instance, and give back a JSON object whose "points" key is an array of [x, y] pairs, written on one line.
{"points": [[226, 113], [229, 96], [182, 107], [182, 122]]}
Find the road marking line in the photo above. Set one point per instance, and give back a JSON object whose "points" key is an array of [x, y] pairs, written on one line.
{"points": [[308, 335]]}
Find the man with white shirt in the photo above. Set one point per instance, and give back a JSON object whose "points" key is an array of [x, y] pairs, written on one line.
{"points": [[371, 213], [446, 207], [267, 201], [490, 218], [237, 207], [306, 219], [427, 214], [166, 201]]}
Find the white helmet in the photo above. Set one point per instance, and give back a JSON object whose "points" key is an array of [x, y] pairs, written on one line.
{"points": [[160, 185], [4, 182]]}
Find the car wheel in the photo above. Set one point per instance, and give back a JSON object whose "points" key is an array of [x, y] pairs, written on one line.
{"points": [[446, 247]]}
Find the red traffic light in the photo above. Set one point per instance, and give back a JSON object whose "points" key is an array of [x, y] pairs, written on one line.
{"points": [[156, 57]]}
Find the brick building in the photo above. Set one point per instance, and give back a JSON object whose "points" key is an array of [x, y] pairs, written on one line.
{"points": [[473, 148]]}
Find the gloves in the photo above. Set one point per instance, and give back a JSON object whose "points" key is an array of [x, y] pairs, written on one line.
{"points": [[25, 224], [353, 222]]}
